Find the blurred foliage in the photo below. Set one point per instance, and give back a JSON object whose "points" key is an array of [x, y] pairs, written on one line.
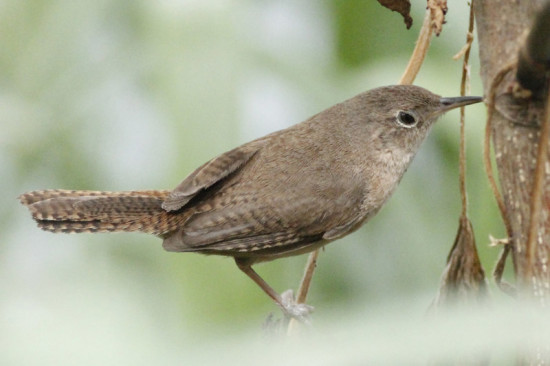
{"points": [[118, 95]]}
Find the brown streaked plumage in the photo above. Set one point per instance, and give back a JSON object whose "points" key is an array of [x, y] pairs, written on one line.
{"points": [[287, 193]]}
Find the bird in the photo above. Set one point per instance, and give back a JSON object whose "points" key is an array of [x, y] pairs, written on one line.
{"points": [[287, 193]]}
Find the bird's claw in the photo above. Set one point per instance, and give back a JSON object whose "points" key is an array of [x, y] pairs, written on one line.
{"points": [[293, 309]]}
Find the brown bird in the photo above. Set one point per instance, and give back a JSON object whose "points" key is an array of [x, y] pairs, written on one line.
{"points": [[284, 194]]}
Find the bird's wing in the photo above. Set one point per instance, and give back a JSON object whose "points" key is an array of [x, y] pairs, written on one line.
{"points": [[208, 174], [282, 197], [252, 224], [345, 228]]}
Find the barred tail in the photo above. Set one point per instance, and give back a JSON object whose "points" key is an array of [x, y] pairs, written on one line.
{"points": [[68, 211]]}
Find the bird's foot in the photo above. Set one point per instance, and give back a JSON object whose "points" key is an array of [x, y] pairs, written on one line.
{"points": [[293, 309]]}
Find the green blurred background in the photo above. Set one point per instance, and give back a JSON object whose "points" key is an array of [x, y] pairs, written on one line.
{"points": [[121, 95]]}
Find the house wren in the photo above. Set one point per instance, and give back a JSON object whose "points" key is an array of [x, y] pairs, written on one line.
{"points": [[284, 194]]}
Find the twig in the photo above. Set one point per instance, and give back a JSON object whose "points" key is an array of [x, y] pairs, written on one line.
{"points": [[304, 285], [538, 189], [487, 145], [499, 268], [464, 82], [501, 263], [420, 50], [466, 47], [306, 280], [463, 279]]}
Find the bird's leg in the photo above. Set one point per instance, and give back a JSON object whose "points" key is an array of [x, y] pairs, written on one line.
{"points": [[286, 302]]}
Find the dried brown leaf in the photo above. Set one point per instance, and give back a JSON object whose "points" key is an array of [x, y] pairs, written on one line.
{"points": [[464, 279], [403, 7], [438, 9]]}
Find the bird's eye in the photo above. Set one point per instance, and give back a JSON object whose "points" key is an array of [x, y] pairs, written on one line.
{"points": [[407, 119]]}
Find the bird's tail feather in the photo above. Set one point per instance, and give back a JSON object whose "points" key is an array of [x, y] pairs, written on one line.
{"points": [[95, 211]]}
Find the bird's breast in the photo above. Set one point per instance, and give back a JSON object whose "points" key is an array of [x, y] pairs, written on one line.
{"points": [[384, 174]]}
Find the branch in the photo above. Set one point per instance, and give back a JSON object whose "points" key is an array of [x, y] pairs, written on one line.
{"points": [[487, 145], [465, 82], [420, 50], [304, 286], [463, 279]]}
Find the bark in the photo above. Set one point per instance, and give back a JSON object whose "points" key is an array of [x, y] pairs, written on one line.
{"points": [[519, 119], [502, 27]]}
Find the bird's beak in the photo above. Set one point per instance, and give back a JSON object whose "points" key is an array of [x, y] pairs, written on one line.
{"points": [[446, 104]]}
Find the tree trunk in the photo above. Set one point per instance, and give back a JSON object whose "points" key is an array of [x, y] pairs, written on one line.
{"points": [[516, 123]]}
